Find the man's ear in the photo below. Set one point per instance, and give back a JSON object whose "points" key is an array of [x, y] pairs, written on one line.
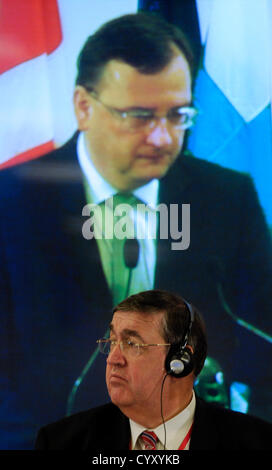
{"points": [[82, 107]]}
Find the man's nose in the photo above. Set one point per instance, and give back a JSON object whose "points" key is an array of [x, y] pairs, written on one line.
{"points": [[159, 135], [116, 356]]}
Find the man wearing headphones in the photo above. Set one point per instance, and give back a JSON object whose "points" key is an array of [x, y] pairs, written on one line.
{"points": [[156, 348]]}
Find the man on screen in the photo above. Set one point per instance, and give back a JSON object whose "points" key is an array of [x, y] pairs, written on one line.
{"points": [[157, 347], [133, 102]]}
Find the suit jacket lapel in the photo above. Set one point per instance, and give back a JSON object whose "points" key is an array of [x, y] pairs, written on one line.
{"points": [[85, 253], [205, 433], [171, 191], [111, 433]]}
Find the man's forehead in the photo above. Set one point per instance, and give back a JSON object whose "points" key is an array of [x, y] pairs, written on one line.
{"points": [[128, 319], [120, 75]]}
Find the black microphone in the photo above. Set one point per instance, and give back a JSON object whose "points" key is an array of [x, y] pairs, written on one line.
{"points": [[131, 252], [131, 257], [216, 271]]}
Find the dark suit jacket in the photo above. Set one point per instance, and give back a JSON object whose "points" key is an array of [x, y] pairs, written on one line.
{"points": [[106, 428], [55, 303]]}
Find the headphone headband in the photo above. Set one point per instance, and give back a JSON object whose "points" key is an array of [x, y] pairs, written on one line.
{"points": [[191, 320], [179, 360]]}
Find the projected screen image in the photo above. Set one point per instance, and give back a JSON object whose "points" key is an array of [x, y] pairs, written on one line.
{"points": [[191, 169]]}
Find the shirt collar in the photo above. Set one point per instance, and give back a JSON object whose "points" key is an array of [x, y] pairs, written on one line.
{"points": [[102, 190], [176, 427]]}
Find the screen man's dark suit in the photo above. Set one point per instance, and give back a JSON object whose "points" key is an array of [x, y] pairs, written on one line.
{"points": [[55, 303], [106, 428]]}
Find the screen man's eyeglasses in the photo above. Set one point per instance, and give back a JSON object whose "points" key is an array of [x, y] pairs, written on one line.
{"points": [[137, 119]]}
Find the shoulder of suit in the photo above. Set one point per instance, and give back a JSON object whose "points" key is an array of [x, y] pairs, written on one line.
{"points": [[58, 165], [204, 177], [84, 417], [200, 168], [78, 431], [66, 150], [201, 178], [219, 428], [234, 418]]}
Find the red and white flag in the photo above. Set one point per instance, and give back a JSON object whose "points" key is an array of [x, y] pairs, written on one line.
{"points": [[30, 32], [39, 44]]}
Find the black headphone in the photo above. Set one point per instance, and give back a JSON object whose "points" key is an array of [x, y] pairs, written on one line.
{"points": [[179, 361]]}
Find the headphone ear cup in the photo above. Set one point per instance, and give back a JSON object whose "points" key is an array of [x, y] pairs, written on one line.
{"points": [[179, 362]]}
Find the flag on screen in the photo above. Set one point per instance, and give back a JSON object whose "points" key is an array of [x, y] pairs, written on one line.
{"points": [[233, 90], [39, 44], [30, 32]]}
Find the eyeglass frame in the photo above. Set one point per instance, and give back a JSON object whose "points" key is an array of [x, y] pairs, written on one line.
{"points": [[149, 119], [120, 343]]}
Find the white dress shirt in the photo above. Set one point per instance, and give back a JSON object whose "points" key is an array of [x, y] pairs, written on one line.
{"points": [[98, 190], [176, 430]]}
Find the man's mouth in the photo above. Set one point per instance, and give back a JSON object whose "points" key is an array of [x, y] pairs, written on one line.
{"points": [[154, 157], [116, 377]]}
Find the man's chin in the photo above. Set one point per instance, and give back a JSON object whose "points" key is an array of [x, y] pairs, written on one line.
{"points": [[142, 174], [153, 168], [119, 399], [144, 177]]}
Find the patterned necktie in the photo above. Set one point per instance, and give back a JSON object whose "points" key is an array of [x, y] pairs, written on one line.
{"points": [[150, 439]]}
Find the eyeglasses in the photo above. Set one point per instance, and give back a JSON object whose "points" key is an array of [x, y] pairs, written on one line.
{"points": [[128, 347], [136, 119]]}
